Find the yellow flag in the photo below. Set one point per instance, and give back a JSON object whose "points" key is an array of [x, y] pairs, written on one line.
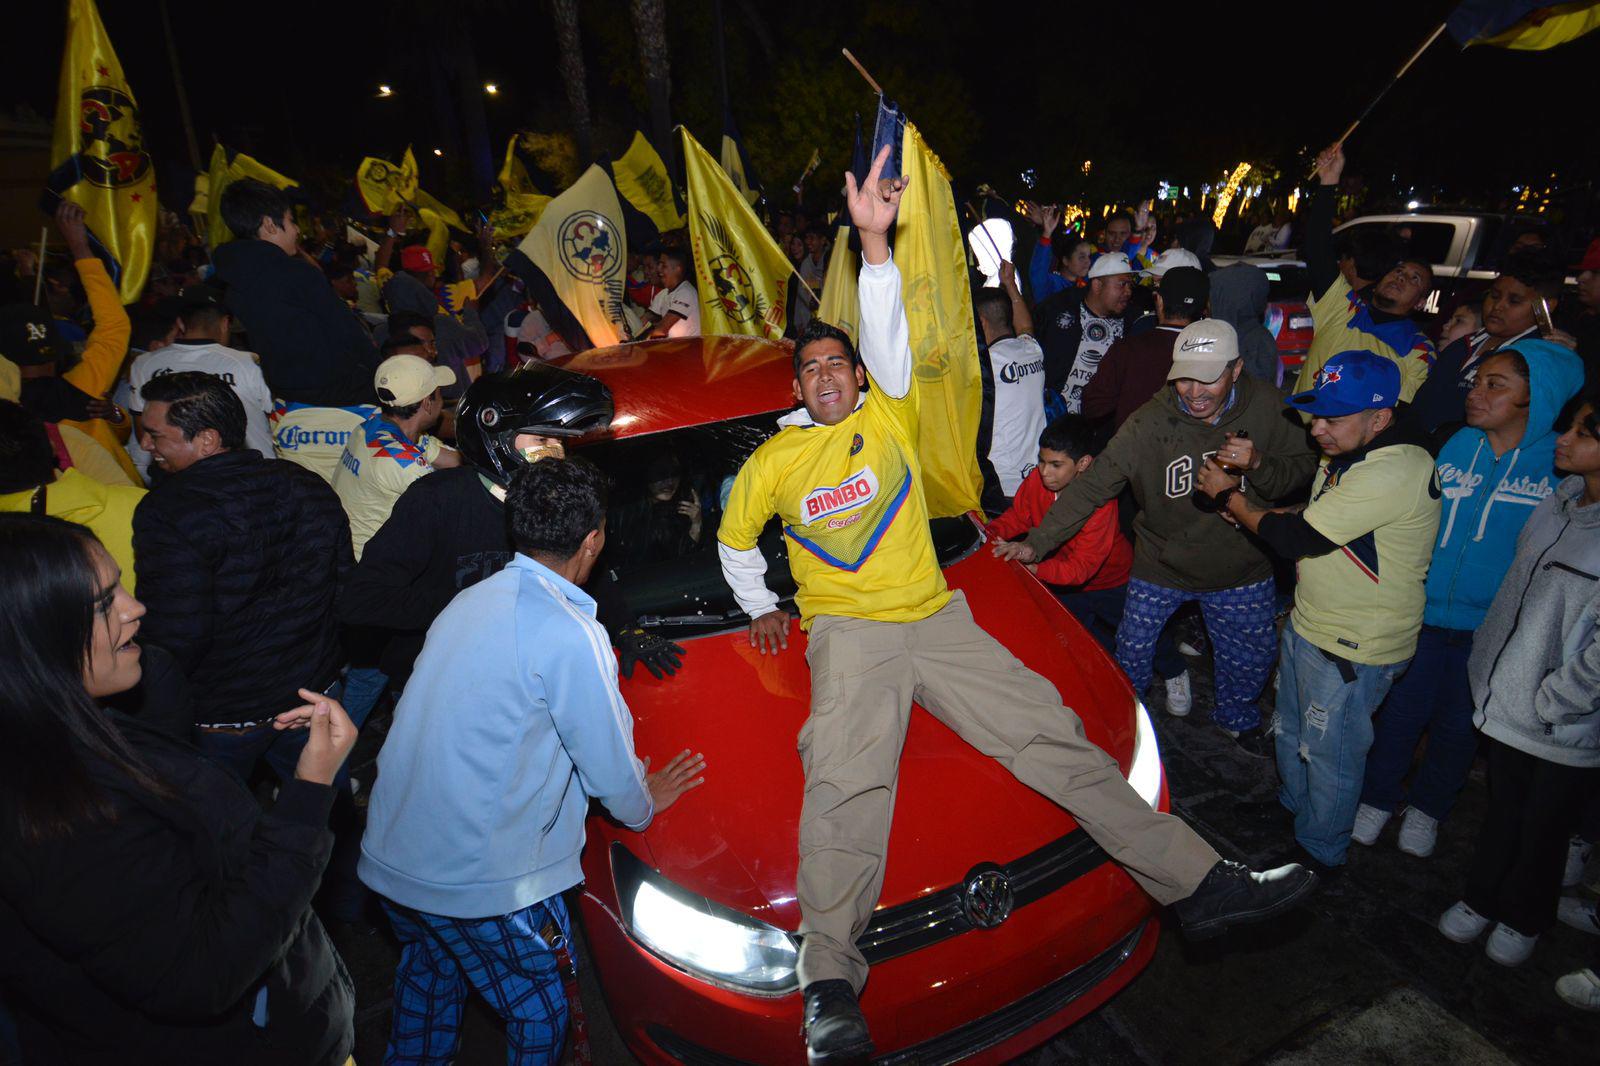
{"points": [[97, 158], [944, 344], [742, 274], [580, 245], [426, 201], [223, 173], [733, 165], [514, 178], [841, 304], [384, 186], [642, 179]]}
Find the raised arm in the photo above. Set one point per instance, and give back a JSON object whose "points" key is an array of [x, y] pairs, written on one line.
{"points": [[885, 335]]}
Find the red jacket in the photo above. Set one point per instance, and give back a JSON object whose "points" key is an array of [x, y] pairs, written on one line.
{"points": [[1098, 557]]}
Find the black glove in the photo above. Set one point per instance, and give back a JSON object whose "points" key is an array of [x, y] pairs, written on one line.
{"points": [[659, 655]]}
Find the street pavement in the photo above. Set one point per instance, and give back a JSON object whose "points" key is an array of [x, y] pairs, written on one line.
{"points": [[1360, 976]]}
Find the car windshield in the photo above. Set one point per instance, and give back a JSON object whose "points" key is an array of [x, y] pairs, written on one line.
{"points": [[1286, 282], [667, 495]]}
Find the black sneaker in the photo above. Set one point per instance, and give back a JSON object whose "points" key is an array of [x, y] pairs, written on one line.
{"points": [[1255, 741], [836, 1030], [1232, 894]]}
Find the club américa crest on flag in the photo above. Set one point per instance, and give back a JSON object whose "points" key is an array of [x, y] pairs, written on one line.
{"points": [[589, 246], [110, 141], [734, 290]]}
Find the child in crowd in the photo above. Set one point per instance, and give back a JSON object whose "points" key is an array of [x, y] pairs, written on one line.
{"points": [[1089, 573], [1534, 671]]}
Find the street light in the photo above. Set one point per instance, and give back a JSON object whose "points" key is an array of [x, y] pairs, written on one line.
{"points": [[438, 151], [491, 88], [384, 90]]}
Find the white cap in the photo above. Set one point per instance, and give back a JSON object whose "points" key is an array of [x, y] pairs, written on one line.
{"points": [[403, 380], [1172, 257], [1203, 349], [1110, 263]]}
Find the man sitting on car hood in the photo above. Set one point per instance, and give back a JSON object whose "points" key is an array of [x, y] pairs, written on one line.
{"points": [[843, 475]]}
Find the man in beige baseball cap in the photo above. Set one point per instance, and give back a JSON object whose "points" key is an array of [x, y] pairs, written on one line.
{"points": [[392, 448]]}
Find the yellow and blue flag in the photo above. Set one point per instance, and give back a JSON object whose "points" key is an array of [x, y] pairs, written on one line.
{"points": [[840, 303], [97, 156], [1520, 25], [736, 162], [741, 273], [581, 247], [384, 186], [521, 202], [944, 340], [643, 181], [224, 172]]}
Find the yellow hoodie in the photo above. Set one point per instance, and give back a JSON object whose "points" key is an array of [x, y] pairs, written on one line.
{"points": [[105, 509]]}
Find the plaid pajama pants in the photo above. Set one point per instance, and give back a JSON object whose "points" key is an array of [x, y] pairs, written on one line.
{"points": [[508, 962], [1244, 641]]}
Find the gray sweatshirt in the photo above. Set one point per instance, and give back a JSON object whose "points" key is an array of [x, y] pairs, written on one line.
{"points": [[1535, 666]]}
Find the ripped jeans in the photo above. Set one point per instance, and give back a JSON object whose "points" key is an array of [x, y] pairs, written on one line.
{"points": [[1325, 709]]}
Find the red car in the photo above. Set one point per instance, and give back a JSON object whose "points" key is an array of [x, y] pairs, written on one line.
{"points": [[1000, 923]]}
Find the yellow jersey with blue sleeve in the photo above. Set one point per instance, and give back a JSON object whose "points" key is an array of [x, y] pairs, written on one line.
{"points": [[849, 495]]}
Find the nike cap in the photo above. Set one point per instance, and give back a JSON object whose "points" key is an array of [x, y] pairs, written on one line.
{"points": [[1203, 350]]}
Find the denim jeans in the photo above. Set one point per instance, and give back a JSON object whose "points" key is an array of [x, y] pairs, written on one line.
{"points": [[1325, 709], [1100, 612], [1432, 695], [363, 687]]}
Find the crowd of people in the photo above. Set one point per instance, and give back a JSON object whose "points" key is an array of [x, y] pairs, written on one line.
{"points": [[299, 481]]}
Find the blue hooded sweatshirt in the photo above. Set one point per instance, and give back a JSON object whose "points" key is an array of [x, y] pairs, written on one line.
{"points": [[1487, 499]]}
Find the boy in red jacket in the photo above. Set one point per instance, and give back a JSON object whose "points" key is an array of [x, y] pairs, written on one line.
{"points": [[1089, 573]]}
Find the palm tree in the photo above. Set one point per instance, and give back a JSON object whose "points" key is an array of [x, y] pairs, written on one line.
{"points": [[650, 29], [570, 65]]}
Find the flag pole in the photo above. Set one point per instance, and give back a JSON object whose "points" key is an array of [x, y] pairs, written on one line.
{"points": [[854, 62], [1434, 36], [38, 272]]}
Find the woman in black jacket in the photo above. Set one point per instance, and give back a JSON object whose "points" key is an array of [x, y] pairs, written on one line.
{"points": [[149, 910]]}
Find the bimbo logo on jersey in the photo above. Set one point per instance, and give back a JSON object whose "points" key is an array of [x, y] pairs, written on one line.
{"points": [[855, 490]]}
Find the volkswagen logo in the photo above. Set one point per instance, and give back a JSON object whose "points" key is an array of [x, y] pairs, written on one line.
{"points": [[986, 898]]}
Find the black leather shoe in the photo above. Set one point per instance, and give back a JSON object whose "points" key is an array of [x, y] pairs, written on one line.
{"points": [[836, 1030], [1232, 894]]}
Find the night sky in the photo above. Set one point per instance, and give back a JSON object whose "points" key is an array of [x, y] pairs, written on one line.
{"points": [[1172, 91]]}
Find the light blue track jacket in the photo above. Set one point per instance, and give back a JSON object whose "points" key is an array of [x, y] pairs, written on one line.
{"points": [[511, 721], [1487, 499]]}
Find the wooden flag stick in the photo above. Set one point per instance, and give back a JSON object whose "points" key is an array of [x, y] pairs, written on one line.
{"points": [[1434, 36], [854, 62], [38, 274]]}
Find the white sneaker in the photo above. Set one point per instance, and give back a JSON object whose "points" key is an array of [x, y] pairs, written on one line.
{"points": [[1462, 924], [1180, 697], [1369, 823], [1418, 833], [1581, 989], [1509, 947], [1580, 914], [1578, 852]]}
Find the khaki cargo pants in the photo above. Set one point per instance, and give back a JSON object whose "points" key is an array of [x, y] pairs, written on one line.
{"points": [[864, 676]]}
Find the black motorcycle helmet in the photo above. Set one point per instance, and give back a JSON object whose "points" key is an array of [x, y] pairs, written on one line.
{"points": [[537, 398]]}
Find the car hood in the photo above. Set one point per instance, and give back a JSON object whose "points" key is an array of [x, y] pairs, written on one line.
{"points": [[734, 840]]}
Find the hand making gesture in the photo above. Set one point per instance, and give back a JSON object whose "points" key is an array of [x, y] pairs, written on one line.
{"points": [[873, 207]]}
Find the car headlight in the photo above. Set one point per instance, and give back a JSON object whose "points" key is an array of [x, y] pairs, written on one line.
{"points": [[699, 936], [1145, 773]]}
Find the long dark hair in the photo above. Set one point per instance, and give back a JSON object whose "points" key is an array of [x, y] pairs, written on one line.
{"points": [[50, 728]]}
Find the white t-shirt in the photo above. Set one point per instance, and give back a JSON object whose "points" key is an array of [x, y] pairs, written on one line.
{"points": [[1099, 334], [238, 369], [1017, 364], [685, 301]]}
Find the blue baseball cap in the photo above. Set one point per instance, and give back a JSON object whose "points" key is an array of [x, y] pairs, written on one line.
{"points": [[1351, 382]]}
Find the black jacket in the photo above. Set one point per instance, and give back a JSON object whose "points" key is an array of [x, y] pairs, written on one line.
{"points": [[1058, 325], [147, 940], [313, 349], [239, 560]]}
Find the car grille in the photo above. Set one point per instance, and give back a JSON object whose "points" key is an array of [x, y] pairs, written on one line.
{"points": [[970, 1039], [909, 927]]}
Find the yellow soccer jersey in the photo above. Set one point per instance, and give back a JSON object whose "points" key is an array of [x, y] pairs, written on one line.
{"points": [[850, 499]]}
